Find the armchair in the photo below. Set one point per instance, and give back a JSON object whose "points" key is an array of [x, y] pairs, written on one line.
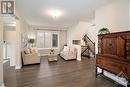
{"points": [[68, 53]]}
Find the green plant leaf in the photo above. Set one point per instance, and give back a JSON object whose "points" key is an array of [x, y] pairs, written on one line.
{"points": [[103, 30]]}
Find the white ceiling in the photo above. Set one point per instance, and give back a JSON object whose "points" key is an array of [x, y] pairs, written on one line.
{"points": [[34, 11]]}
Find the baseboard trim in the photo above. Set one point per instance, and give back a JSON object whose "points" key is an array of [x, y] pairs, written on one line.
{"points": [[18, 67], [2, 85]]}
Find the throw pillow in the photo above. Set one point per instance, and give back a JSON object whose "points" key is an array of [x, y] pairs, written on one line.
{"points": [[32, 51], [27, 51]]}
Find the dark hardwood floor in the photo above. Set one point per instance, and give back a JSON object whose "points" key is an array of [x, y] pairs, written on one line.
{"points": [[55, 74]]}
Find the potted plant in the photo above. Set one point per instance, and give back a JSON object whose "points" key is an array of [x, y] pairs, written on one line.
{"points": [[51, 51], [31, 41], [103, 31]]}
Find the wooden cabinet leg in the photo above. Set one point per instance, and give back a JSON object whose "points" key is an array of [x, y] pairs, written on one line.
{"points": [[96, 72], [102, 72], [128, 84]]}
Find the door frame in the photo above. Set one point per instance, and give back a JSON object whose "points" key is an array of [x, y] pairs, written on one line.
{"points": [[1, 52]]}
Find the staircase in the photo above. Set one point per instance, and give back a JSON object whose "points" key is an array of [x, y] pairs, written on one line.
{"points": [[89, 49]]}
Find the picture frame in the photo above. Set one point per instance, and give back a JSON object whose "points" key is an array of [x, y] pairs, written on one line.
{"points": [[7, 7]]}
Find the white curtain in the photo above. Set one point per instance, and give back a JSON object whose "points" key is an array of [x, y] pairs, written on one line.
{"points": [[63, 38]]}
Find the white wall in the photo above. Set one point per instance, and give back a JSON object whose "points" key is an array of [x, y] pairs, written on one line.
{"points": [[21, 31], [77, 32], [1, 51], [18, 62], [114, 16], [10, 38], [23, 26]]}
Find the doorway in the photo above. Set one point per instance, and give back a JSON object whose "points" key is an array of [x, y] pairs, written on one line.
{"points": [[9, 45]]}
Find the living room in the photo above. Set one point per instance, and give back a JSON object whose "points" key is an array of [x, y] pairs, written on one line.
{"points": [[49, 33]]}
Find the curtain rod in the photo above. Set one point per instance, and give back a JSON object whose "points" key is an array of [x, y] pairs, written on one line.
{"points": [[49, 30]]}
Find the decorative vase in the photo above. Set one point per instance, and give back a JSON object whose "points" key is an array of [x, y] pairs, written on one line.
{"points": [[51, 52]]}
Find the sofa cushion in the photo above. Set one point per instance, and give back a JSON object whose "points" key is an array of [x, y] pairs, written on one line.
{"points": [[32, 51], [66, 48], [72, 49]]}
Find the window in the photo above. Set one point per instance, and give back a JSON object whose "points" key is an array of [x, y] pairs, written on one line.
{"points": [[47, 39], [54, 40]]}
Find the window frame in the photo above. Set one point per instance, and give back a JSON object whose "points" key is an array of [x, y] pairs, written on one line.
{"points": [[52, 32]]}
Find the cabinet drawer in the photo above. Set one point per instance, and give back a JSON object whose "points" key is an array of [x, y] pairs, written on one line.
{"points": [[111, 65], [114, 66]]}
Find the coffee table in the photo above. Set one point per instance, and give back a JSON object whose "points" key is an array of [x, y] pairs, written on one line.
{"points": [[52, 57]]}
